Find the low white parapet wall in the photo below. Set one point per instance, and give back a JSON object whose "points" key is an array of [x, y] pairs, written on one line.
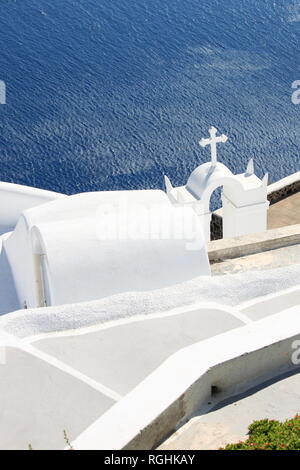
{"points": [[229, 248], [202, 374], [276, 192], [284, 182], [15, 198]]}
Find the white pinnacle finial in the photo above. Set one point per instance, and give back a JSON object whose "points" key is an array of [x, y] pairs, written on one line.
{"points": [[265, 180], [168, 184], [213, 141], [250, 168]]}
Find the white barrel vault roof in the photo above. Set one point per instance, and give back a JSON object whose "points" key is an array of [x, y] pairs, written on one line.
{"points": [[96, 246]]}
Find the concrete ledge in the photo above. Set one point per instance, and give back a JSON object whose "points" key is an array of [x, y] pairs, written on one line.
{"points": [[193, 380], [284, 183], [237, 247]]}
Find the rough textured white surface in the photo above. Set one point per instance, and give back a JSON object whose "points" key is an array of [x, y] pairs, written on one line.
{"points": [[230, 290]]}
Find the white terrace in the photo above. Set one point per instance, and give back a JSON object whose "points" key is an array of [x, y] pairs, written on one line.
{"points": [[104, 294]]}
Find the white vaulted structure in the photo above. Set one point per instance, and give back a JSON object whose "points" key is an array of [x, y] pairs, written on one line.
{"points": [[93, 245]]}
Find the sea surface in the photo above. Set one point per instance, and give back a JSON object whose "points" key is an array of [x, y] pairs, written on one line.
{"points": [[113, 94]]}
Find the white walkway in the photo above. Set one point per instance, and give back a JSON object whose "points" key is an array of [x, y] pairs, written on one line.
{"points": [[64, 366], [66, 380]]}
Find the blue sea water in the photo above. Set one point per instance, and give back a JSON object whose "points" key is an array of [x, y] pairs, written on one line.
{"points": [[112, 94]]}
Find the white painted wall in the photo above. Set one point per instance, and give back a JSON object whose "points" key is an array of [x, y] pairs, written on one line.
{"points": [[19, 253], [245, 220]]}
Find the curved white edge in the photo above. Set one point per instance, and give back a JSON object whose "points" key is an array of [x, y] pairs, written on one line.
{"points": [[22, 316], [57, 312], [29, 190], [16, 198], [271, 188], [135, 319], [233, 361]]}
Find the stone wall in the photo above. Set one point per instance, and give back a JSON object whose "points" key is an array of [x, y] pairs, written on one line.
{"points": [[285, 191], [216, 227]]}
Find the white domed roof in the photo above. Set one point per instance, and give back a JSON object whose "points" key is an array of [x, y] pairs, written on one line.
{"points": [[204, 175]]}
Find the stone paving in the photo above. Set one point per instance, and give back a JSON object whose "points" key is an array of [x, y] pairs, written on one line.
{"points": [[286, 256], [284, 212]]}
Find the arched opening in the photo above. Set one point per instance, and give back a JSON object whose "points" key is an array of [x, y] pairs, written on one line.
{"points": [[213, 199], [216, 224]]}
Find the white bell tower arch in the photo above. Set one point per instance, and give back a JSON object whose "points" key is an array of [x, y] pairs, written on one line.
{"points": [[244, 196]]}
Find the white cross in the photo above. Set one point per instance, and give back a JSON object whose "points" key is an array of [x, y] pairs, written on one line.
{"points": [[213, 141]]}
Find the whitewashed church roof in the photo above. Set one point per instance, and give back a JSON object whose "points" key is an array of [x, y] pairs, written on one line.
{"points": [[94, 245]]}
